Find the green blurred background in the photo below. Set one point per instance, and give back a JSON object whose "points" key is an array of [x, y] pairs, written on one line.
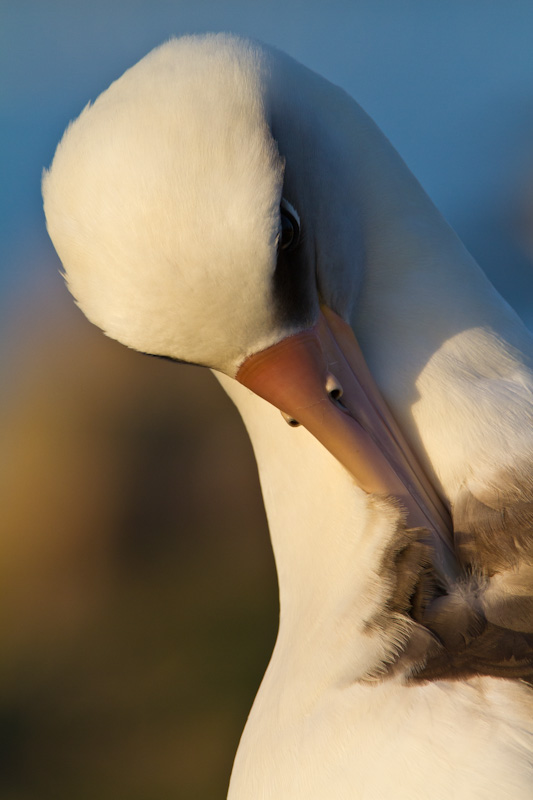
{"points": [[138, 601]]}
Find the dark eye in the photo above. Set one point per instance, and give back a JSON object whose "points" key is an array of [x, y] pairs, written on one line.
{"points": [[290, 227]]}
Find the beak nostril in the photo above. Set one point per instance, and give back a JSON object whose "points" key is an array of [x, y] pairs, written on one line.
{"points": [[333, 387], [290, 420]]}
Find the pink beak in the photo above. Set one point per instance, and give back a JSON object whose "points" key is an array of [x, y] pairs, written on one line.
{"points": [[319, 378]]}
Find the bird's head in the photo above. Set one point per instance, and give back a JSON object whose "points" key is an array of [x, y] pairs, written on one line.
{"points": [[203, 210]]}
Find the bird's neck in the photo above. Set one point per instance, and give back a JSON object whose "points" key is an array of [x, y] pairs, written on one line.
{"points": [[323, 533], [440, 341]]}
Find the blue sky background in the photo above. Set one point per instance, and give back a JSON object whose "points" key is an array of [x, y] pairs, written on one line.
{"points": [[451, 84]]}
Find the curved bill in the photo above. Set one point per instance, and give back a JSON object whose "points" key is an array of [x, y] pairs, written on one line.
{"points": [[319, 379]]}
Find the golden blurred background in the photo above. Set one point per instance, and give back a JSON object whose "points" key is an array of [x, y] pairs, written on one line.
{"points": [[138, 590]]}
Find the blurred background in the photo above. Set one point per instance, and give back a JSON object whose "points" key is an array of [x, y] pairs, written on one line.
{"points": [[138, 597]]}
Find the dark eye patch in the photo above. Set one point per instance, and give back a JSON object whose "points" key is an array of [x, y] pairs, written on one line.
{"points": [[294, 278], [290, 228]]}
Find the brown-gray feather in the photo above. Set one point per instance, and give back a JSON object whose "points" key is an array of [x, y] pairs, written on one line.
{"points": [[485, 622]]}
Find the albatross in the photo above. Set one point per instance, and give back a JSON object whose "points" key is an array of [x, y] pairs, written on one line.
{"points": [[221, 204]]}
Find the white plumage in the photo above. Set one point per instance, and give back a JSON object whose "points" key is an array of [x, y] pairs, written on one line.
{"points": [[163, 202]]}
